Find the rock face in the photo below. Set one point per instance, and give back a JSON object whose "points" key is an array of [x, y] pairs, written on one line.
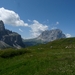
{"points": [[51, 35], [2, 28], [13, 39]]}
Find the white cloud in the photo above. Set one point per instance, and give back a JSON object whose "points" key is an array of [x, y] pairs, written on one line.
{"points": [[20, 30], [68, 35], [11, 18], [57, 23], [37, 28]]}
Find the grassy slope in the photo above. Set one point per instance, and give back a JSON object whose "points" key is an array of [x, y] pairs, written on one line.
{"points": [[42, 60]]}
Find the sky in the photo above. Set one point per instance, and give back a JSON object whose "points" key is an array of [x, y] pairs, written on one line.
{"points": [[30, 18]]}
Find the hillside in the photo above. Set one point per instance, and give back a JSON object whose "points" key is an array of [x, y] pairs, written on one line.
{"points": [[53, 58], [60, 43]]}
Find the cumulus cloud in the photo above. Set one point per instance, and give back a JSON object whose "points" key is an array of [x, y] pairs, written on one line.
{"points": [[37, 28], [20, 30], [68, 35], [11, 18]]}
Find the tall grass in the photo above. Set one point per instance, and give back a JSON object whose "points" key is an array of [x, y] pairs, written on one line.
{"points": [[8, 53]]}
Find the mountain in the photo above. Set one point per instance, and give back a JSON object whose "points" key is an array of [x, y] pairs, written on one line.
{"points": [[3, 45], [51, 35], [9, 38], [44, 37]]}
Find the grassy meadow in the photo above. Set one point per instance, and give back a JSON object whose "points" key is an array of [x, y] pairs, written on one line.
{"points": [[54, 58]]}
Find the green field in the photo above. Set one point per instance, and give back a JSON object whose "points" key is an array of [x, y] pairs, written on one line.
{"points": [[55, 58]]}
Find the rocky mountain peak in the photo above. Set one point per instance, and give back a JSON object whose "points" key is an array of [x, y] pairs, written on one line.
{"points": [[50, 35], [2, 28], [12, 39]]}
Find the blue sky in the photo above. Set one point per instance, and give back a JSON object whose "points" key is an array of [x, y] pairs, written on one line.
{"points": [[30, 17]]}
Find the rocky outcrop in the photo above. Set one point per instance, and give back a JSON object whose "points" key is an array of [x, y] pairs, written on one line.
{"points": [[51, 35], [2, 28], [13, 39]]}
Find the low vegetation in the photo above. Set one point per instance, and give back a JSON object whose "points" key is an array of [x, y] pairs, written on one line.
{"points": [[55, 58], [8, 53]]}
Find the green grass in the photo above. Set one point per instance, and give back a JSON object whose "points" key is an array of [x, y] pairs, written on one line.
{"points": [[8, 53], [40, 60]]}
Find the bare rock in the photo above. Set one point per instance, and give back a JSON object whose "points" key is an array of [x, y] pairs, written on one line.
{"points": [[51, 35], [11, 38]]}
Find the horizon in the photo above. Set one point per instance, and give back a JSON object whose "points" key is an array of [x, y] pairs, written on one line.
{"points": [[31, 18]]}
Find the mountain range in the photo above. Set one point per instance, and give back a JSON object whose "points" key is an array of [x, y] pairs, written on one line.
{"points": [[13, 39]]}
